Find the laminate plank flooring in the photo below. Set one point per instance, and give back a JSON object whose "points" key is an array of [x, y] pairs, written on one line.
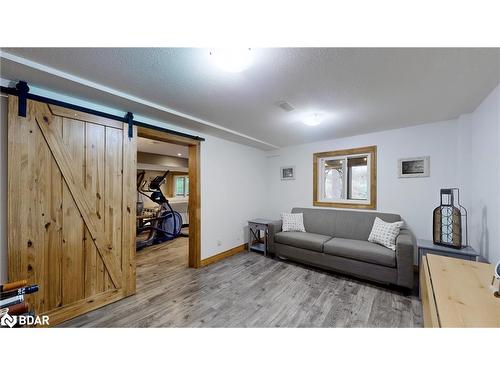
{"points": [[248, 290]]}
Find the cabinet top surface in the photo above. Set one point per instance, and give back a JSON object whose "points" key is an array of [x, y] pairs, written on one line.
{"points": [[463, 292], [429, 245]]}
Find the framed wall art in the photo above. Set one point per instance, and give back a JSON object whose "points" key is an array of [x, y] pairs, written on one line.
{"points": [[414, 167], [287, 173]]}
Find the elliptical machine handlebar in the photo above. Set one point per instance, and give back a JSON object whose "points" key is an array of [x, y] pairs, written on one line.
{"points": [[155, 184]]}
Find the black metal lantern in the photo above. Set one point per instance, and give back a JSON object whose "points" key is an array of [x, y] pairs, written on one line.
{"points": [[450, 220]]}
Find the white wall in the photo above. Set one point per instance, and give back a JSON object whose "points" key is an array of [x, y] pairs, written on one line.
{"points": [[232, 192], [480, 174], [413, 198]]}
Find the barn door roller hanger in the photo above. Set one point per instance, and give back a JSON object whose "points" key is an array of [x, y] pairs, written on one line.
{"points": [[22, 89], [22, 92]]}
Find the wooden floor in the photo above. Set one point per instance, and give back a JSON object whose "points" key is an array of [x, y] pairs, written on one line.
{"points": [[248, 290]]}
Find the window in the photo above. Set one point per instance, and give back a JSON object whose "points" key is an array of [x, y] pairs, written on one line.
{"points": [[346, 178], [181, 186]]}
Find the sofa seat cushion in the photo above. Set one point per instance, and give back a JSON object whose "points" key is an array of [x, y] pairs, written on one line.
{"points": [[361, 250], [309, 241]]}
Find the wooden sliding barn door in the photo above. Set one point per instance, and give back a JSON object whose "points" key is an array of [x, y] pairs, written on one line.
{"points": [[71, 208]]}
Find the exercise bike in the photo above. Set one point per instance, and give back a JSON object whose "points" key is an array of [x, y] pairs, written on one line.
{"points": [[160, 225]]}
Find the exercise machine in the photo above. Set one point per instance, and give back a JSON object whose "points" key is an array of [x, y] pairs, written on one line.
{"points": [[160, 224]]}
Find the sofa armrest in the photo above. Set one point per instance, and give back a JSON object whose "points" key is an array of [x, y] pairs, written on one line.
{"points": [[273, 228], [406, 245]]}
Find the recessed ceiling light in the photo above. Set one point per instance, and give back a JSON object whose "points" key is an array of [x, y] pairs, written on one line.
{"points": [[313, 119], [179, 154], [232, 60]]}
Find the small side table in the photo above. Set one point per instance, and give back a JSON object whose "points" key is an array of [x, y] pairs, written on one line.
{"points": [[429, 247], [255, 241]]}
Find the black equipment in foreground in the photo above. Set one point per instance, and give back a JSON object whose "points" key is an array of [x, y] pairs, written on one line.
{"points": [[12, 303], [163, 225], [26, 290]]}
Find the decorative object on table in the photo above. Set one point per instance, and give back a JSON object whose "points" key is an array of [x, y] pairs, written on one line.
{"points": [[414, 167], [287, 173], [450, 220], [496, 276]]}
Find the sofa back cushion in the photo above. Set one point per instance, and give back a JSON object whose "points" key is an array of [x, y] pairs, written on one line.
{"points": [[355, 225]]}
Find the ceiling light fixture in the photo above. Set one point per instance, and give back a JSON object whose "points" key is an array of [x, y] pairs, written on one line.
{"points": [[285, 106], [232, 60], [179, 154], [313, 119]]}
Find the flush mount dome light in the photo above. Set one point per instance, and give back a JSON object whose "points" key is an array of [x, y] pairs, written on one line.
{"points": [[232, 60], [313, 119]]}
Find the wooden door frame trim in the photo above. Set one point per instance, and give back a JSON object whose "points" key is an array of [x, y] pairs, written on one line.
{"points": [[194, 206]]}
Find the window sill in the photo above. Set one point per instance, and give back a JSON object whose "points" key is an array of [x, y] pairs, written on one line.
{"points": [[361, 206]]}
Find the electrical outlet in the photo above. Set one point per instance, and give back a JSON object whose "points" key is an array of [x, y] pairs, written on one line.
{"points": [[219, 243]]}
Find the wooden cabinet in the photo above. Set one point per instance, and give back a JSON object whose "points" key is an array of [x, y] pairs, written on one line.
{"points": [[458, 293], [429, 310]]}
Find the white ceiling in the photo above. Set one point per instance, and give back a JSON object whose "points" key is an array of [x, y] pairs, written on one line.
{"points": [[161, 148], [361, 90]]}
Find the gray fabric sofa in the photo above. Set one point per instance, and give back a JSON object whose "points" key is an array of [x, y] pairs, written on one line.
{"points": [[338, 240]]}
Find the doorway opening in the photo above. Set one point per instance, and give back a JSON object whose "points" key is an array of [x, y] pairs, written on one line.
{"points": [[162, 193], [168, 199]]}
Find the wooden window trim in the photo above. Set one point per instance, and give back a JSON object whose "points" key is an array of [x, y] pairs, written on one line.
{"points": [[170, 182], [372, 150]]}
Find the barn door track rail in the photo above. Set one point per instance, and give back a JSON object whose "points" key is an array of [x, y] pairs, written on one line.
{"points": [[21, 90]]}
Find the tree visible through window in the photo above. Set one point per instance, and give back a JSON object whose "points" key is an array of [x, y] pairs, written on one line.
{"points": [[345, 178]]}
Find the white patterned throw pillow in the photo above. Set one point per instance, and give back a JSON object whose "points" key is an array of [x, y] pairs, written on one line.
{"points": [[293, 222], [385, 233]]}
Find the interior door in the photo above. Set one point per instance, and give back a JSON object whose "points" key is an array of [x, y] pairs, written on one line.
{"points": [[71, 208]]}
